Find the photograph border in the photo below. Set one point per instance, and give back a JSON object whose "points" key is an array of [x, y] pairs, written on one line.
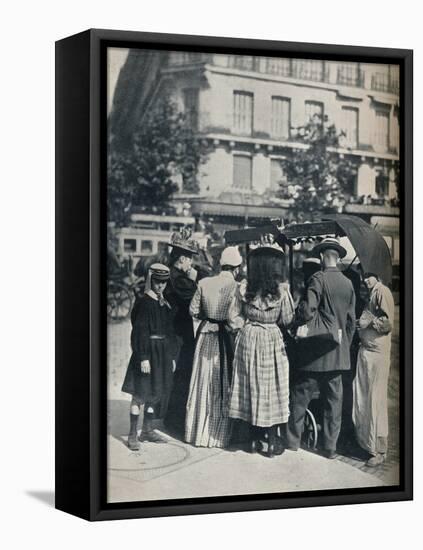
{"points": [[81, 219]]}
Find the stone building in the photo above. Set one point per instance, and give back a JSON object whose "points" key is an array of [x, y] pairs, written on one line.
{"points": [[249, 110]]}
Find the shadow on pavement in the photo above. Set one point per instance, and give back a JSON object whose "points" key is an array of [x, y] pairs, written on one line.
{"points": [[118, 421]]}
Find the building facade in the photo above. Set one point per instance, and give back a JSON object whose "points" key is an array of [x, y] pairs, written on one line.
{"points": [[251, 110]]}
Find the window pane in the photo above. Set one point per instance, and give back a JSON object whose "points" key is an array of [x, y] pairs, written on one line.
{"points": [[276, 174], [147, 247], [245, 62], [281, 114], [277, 66], [350, 74], [191, 107], [382, 184], [350, 126], [313, 108], [130, 245], [381, 137], [242, 177], [243, 113], [309, 70]]}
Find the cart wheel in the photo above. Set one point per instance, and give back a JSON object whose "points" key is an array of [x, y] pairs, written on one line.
{"points": [[119, 302], [310, 432]]}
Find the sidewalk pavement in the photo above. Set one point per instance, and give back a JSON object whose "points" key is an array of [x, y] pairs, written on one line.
{"points": [[178, 470]]}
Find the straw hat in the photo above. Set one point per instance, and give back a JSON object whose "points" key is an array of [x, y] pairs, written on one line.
{"points": [[330, 243]]}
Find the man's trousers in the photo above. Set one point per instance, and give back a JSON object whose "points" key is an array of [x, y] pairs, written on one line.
{"points": [[305, 385]]}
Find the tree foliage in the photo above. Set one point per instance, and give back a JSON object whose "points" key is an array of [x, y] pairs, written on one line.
{"points": [[318, 179], [164, 149]]}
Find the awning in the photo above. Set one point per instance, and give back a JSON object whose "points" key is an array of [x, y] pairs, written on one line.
{"points": [[243, 211]]}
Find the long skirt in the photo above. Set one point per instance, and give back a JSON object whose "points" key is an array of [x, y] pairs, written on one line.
{"points": [[152, 389], [207, 422], [260, 384], [370, 398], [175, 417]]}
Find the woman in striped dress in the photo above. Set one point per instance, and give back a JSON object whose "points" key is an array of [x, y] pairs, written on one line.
{"points": [[207, 423], [260, 384]]}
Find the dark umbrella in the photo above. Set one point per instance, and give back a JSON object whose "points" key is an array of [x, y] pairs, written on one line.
{"points": [[370, 246]]}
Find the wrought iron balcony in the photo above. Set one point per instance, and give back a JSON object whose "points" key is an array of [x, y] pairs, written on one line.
{"points": [[382, 82], [350, 76], [176, 59]]}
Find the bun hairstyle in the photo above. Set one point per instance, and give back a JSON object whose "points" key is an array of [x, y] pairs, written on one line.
{"points": [[266, 270]]}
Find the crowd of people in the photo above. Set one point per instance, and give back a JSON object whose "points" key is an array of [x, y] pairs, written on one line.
{"points": [[223, 355]]}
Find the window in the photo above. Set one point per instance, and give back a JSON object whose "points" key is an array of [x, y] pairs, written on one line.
{"points": [[394, 79], [244, 62], [242, 176], [313, 108], [146, 247], [381, 136], [182, 58], [281, 117], [350, 126], [386, 79], [130, 245], [382, 184], [309, 70], [191, 107], [281, 67], [243, 113], [350, 74], [276, 174]]}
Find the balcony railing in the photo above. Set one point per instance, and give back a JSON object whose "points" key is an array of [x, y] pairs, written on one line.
{"points": [[188, 58], [280, 67], [382, 82], [350, 76], [310, 70]]}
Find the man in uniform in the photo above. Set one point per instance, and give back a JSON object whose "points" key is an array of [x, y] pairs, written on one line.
{"points": [[328, 310]]}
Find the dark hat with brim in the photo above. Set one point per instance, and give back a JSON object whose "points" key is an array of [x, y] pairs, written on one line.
{"points": [[330, 243], [184, 248], [180, 242], [266, 251], [312, 261]]}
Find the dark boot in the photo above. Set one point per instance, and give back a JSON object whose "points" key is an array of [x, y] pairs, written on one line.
{"points": [[272, 441], [255, 443], [279, 441], [148, 433], [132, 437]]}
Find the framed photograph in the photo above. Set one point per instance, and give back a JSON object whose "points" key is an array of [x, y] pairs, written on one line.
{"points": [[234, 274]]}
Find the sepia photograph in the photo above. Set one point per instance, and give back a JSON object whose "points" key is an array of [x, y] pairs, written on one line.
{"points": [[253, 275]]}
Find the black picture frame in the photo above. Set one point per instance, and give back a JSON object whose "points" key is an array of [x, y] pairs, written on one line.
{"points": [[81, 275]]}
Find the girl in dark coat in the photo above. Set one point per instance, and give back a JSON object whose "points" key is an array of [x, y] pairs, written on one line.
{"points": [[154, 350]]}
